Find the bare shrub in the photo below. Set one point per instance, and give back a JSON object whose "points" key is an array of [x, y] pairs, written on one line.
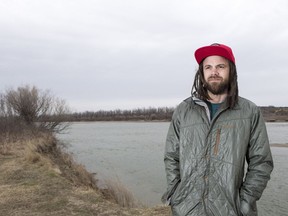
{"points": [[12, 130], [36, 108]]}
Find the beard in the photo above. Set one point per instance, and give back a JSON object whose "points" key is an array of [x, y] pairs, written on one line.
{"points": [[216, 88]]}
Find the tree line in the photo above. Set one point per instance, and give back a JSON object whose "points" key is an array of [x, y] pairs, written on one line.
{"points": [[270, 114], [139, 114]]}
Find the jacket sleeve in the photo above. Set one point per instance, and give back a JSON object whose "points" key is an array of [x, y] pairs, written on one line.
{"points": [[171, 158], [260, 165]]}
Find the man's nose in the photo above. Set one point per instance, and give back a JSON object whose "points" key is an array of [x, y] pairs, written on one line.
{"points": [[215, 71]]}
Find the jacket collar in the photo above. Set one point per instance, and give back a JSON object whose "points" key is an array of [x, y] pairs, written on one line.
{"points": [[194, 100]]}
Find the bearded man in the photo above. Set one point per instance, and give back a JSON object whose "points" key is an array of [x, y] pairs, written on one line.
{"points": [[211, 136]]}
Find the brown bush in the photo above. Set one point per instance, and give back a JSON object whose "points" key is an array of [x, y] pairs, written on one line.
{"points": [[35, 108]]}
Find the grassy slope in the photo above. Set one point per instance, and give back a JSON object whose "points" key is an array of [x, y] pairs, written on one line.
{"points": [[37, 179]]}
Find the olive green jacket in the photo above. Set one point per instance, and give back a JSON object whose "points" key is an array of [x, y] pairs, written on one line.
{"points": [[205, 159]]}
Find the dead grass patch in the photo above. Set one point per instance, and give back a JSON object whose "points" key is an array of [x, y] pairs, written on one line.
{"points": [[116, 191], [5, 148]]}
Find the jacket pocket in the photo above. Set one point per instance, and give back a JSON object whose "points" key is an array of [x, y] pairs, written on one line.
{"points": [[180, 193], [216, 148], [166, 198], [175, 195]]}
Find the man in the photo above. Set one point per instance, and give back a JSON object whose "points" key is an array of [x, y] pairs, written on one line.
{"points": [[211, 135]]}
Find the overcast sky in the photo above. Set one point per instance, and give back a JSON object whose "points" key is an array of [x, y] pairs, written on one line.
{"points": [[109, 54]]}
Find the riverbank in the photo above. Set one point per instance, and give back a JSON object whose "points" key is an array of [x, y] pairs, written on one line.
{"points": [[39, 178], [280, 145], [270, 114]]}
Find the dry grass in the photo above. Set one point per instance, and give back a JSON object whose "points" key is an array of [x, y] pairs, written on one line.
{"points": [[39, 178], [116, 191], [5, 145]]}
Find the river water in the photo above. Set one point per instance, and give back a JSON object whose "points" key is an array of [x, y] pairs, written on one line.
{"points": [[132, 153]]}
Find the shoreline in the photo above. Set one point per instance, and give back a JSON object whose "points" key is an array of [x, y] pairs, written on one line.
{"points": [[279, 145]]}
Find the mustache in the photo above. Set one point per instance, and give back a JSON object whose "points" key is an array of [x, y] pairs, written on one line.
{"points": [[215, 77], [205, 83]]}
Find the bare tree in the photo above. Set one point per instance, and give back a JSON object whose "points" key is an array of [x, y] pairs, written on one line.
{"points": [[37, 108]]}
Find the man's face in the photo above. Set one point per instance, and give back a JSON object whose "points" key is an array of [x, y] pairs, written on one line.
{"points": [[216, 74]]}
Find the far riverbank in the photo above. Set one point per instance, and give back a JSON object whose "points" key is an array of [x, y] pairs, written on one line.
{"points": [[270, 114]]}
